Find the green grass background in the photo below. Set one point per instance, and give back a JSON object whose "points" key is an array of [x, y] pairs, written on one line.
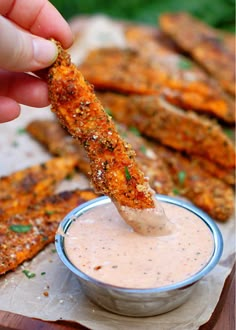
{"points": [[218, 13]]}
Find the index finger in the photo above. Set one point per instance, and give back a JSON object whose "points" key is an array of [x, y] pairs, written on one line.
{"points": [[39, 17]]}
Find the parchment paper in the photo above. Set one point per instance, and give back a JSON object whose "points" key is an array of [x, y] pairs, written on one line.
{"points": [[65, 301]]}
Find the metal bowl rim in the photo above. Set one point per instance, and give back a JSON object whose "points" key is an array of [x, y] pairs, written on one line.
{"points": [[69, 218]]}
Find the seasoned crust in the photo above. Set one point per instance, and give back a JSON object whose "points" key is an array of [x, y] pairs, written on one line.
{"points": [[114, 171], [209, 47], [184, 131], [158, 71], [210, 194], [28, 186], [40, 223], [57, 141], [161, 164]]}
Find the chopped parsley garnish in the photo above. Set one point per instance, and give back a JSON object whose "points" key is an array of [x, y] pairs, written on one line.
{"points": [[21, 131], [176, 191], [134, 130], [28, 273], [229, 132], [15, 144], [49, 212], [70, 176], [143, 149], [20, 228], [127, 174], [184, 64], [108, 111], [181, 176], [123, 134], [43, 273]]}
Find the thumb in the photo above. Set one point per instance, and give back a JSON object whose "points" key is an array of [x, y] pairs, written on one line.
{"points": [[22, 51]]}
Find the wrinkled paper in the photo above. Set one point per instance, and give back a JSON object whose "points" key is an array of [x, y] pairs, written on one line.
{"points": [[54, 293]]}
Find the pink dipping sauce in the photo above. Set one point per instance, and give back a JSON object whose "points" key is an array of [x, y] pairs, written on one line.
{"points": [[103, 246]]}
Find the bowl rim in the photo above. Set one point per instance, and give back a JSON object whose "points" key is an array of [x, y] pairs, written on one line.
{"points": [[102, 200]]}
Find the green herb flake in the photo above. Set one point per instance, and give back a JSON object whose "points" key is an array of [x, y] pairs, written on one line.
{"points": [[43, 273], [53, 250], [229, 132], [143, 149], [108, 111], [20, 228], [123, 134], [184, 64], [135, 131], [21, 131], [70, 176], [49, 212], [28, 273], [181, 176], [15, 144], [176, 191], [127, 174]]}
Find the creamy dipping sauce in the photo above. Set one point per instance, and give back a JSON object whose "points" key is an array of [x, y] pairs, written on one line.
{"points": [[150, 222], [103, 246]]}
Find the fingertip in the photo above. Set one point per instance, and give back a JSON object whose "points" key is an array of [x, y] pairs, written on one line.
{"points": [[59, 30], [69, 40], [38, 95], [9, 109], [45, 51]]}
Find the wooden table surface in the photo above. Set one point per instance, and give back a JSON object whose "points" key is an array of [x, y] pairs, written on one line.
{"points": [[223, 317]]}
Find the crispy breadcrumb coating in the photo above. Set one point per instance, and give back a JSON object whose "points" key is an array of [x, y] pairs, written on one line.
{"points": [[50, 134], [28, 186], [114, 171], [213, 49], [23, 235]]}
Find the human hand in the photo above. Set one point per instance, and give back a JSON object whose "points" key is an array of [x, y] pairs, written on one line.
{"points": [[24, 25]]}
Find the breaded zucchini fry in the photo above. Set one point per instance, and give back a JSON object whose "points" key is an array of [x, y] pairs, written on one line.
{"points": [[218, 171], [218, 204], [156, 43], [158, 71], [152, 166], [221, 107], [211, 48], [208, 193], [23, 235], [115, 69], [114, 171], [149, 161], [58, 142], [185, 131], [30, 185]]}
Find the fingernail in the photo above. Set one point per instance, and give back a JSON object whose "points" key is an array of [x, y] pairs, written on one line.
{"points": [[45, 51]]}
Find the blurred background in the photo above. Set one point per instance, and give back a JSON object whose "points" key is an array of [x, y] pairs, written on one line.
{"points": [[218, 13]]}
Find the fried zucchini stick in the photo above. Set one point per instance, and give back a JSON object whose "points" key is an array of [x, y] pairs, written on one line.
{"points": [[30, 185], [58, 142], [205, 44], [210, 194], [23, 235], [156, 42], [122, 65], [150, 163], [168, 74], [215, 197], [226, 175], [184, 131], [114, 171], [45, 131]]}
